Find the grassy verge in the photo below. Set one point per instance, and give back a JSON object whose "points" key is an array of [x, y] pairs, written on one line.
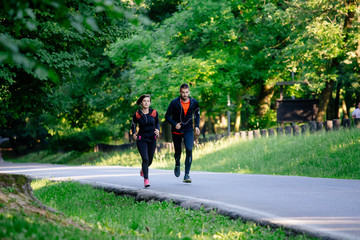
{"points": [[124, 218], [331, 155], [19, 226], [22, 217]]}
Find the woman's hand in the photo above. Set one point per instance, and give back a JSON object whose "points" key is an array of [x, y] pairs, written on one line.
{"points": [[134, 136], [157, 132]]}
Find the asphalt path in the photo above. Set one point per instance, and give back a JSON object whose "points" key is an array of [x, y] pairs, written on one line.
{"points": [[322, 207]]}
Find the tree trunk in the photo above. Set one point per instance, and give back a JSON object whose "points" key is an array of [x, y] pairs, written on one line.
{"points": [[264, 101], [238, 114], [345, 109], [333, 108], [210, 124], [349, 19], [238, 121], [336, 113], [324, 100], [202, 123]]}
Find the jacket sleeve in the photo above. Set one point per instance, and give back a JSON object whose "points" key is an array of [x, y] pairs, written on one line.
{"points": [[169, 113], [197, 115], [133, 124], [157, 123]]}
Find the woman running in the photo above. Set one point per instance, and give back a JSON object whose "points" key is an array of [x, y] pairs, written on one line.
{"points": [[149, 128]]}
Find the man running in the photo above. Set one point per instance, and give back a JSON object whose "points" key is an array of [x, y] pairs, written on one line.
{"points": [[180, 115]]}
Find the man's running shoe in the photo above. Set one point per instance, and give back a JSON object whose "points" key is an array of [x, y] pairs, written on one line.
{"points": [[177, 171], [141, 173], [146, 183], [187, 179]]}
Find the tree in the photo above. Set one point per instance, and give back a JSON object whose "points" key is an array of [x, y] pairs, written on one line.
{"points": [[324, 47], [53, 48], [220, 48]]}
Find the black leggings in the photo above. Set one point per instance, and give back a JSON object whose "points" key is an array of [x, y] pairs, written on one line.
{"points": [[189, 143], [146, 150]]}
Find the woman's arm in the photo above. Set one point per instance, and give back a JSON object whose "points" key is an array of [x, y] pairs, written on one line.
{"points": [[133, 125]]}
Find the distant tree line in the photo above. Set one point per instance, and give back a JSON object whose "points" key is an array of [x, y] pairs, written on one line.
{"points": [[72, 70]]}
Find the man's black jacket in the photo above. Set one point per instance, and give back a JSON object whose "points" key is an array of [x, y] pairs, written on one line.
{"points": [[175, 114]]}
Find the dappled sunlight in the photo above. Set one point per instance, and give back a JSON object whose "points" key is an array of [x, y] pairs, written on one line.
{"points": [[129, 158], [40, 183], [326, 224], [318, 220]]}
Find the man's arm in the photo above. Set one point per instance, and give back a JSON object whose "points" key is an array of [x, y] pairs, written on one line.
{"points": [[197, 118], [168, 115], [197, 115]]}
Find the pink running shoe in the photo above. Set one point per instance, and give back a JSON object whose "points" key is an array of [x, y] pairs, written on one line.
{"points": [[141, 173], [146, 183]]}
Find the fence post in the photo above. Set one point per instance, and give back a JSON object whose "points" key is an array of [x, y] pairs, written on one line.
{"points": [[319, 126], [346, 122], [329, 125], [288, 130], [243, 135], [237, 135], [304, 128], [279, 131], [357, 122], [336, 124], [312, 125], [296, 130], [256, 133], [271, 132], [250, 135], [263, 133]]}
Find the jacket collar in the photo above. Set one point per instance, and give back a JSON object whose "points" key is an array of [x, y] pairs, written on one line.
{"points": [[178, 100], [141, 113]]}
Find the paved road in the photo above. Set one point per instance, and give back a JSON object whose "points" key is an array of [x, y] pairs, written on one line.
{"points": [[328, 208]]}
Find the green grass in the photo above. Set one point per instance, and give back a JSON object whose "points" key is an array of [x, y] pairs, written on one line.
{"points": [[334, 155], [19, 226], [123, 218], [330, 155]]}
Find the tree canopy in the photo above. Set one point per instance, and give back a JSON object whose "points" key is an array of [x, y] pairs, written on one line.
{"points": [[72, 70]]}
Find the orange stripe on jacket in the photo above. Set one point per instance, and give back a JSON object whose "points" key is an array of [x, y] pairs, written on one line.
{"points": [[153, 114]]}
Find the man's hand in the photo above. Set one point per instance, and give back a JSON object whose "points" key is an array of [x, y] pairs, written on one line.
{"points": [[178, 126], [197, 131], [134, 136]]}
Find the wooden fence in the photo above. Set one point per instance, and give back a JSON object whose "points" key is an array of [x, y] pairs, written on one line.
{"points": [[293, 129]]}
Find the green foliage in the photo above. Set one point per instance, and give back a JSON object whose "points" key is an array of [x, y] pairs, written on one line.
{"points": [[123, 216], [83, 140], [265, 122], [323, 47], [53, 68], [237, 47], [220, 48], [52, 49], [158, 10]]}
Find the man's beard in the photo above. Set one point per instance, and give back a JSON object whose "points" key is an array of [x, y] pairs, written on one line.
{"points": [[182, 98]]}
